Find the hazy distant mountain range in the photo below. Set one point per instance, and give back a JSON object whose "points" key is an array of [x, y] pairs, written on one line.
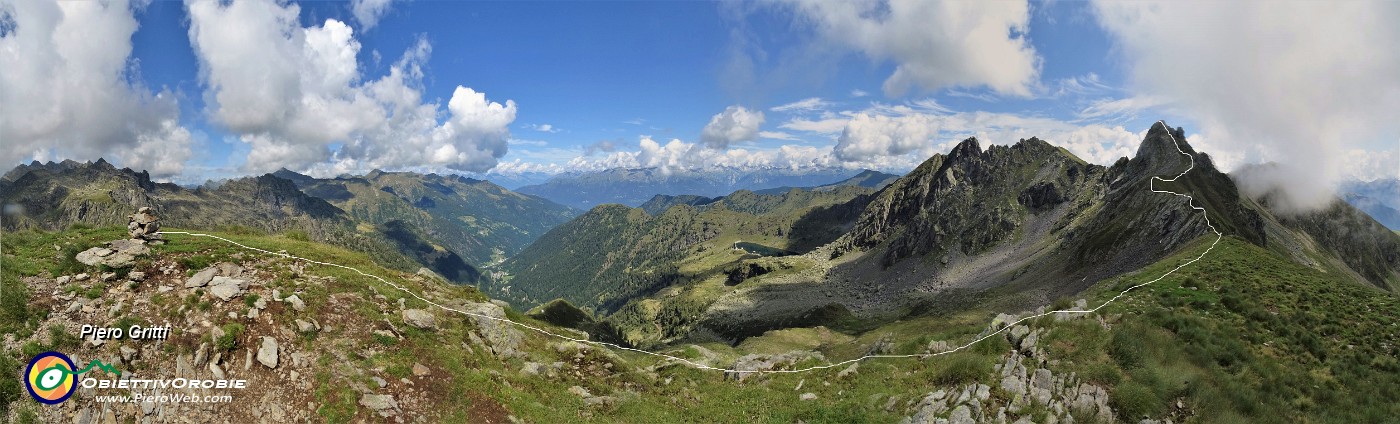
{"points": [[632, 187], [1379, 198]]}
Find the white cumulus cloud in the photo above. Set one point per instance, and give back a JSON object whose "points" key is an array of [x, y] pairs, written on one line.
{"points": [[883, 133], [1295, 82], [293, 92], [734, 124], [868, 136], [934, 44], [67, 91]]}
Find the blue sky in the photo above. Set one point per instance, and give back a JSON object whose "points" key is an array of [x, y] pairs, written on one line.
{"points": [[574, 86]]}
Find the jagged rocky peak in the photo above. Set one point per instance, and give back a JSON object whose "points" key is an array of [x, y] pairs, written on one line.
{"points": [[51, 166], [966, 149], [1161, 151]]}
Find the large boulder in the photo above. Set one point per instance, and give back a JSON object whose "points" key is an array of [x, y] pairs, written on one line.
{"points": [[384, 405], [117, 254], [226, 288], [419, 318], [492, 324]]}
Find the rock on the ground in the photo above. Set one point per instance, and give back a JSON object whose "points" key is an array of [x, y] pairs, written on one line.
{"points": [[94, 255], [267, 354], [119, 254], [938, 346], [305, 327], [420, 370], [1002, 320], [590, 399], [130, 247], [849, 371], [419, 318], [808, 396], [490, 319], [296, 302], [226, 288], [1028, 344], [1017, 333], [382, 404], [201, 278], [961, 415], [532, 368]]}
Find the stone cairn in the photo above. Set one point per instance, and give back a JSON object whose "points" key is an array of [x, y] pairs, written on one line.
{"points": [[143, 225]]}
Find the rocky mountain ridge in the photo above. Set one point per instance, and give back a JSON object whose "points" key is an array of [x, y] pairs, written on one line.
{"points": [[1019, 225], [56, 196]]}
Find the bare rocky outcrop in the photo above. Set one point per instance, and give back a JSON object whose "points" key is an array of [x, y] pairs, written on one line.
{"points": [[752, 365], [116, 254], [1026, 379], [491, 323]]}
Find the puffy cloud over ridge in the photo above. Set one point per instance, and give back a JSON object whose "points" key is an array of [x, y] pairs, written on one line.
{"points": [[733, 125], [1298, 83], [293, 93], [64, 96]]}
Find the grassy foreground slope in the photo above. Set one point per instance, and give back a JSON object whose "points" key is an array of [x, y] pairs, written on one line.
{"points": [[1241, 336]]}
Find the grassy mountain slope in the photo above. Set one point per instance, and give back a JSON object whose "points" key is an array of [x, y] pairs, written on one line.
{"points": [[1244, 335], [614, 253], [55, 196], [481, 221]]}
